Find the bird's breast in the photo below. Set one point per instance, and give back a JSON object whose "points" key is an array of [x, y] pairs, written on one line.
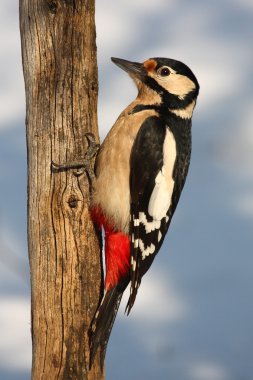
{"points": [[112, 187]]}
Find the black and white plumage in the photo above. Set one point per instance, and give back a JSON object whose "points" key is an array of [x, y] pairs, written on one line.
{"points": [[159, 165], [141, 169]]}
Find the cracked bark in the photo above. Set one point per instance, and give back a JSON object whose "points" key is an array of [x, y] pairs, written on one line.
{"points": [[60, 71]]}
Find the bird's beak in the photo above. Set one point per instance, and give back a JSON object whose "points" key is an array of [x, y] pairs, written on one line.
{"points": [[134, 69]]}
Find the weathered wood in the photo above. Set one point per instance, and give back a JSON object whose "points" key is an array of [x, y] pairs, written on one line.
{"points": [[60, 71]]}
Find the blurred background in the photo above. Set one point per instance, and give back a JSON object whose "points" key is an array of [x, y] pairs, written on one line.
{"points": [[193, 319]]}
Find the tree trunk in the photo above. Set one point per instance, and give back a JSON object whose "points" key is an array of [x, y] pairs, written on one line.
{"points": [[60, 71]]}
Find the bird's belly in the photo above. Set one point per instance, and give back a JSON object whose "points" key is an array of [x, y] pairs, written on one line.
{"points": [[112, 193]]}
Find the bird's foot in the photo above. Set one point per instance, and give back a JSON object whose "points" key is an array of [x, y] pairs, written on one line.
{"points": [[83, 165]]}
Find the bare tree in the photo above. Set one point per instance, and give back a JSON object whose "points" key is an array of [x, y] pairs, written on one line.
{"points": [[60, 71]]}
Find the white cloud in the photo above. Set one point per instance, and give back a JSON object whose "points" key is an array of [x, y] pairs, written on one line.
{"points": [[12, 101], [15, 342], [235, 149], [109, 23], [208, 371], [9, 241], [157, 301], [144, 7], [245, 205]]}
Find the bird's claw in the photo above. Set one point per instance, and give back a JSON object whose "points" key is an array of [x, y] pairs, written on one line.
{"points": [[82, 165]]}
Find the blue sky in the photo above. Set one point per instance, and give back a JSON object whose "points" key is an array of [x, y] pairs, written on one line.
{"points": [[193, 318]]}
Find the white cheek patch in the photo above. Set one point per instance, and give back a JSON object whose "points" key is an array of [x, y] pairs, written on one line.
{"points": [[177, 84], [160, 199]]}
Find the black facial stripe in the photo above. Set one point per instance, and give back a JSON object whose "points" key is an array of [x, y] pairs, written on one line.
{"points": [[170, 100], [161, 109], [144, 107]]}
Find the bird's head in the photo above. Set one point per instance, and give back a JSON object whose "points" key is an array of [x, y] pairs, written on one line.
{"points": [[163, 81]]}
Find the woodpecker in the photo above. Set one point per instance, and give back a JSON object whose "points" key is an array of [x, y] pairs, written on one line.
{"points": [[140, 171]]}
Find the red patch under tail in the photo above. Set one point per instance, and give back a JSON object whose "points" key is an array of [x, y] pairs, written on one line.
{"points": [[117, 251]]}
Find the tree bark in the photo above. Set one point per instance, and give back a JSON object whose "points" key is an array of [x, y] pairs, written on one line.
{"points": [[60, 71]]}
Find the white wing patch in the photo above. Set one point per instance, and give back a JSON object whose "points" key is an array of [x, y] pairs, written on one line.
{"points": [[160, 199], [146, 252], [136, 222], [133, 263], [149, 226]]}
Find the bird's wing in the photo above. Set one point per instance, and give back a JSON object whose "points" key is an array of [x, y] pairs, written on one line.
{"points": [[154, 195]]}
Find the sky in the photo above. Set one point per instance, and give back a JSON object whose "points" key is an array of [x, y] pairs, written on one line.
{"points": [[193, 317]]}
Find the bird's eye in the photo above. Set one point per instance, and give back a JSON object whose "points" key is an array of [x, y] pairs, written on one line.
{"points": [[164, 71]]}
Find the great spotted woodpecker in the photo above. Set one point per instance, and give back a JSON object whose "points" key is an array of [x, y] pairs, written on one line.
{"points": [[140, 170]]}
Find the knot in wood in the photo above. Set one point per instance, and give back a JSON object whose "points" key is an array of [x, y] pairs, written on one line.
{"points": [[94, 86], [72, 201], [52, 5]]}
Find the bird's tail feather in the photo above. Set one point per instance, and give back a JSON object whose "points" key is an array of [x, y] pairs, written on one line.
{"points": [[102, 323]]}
